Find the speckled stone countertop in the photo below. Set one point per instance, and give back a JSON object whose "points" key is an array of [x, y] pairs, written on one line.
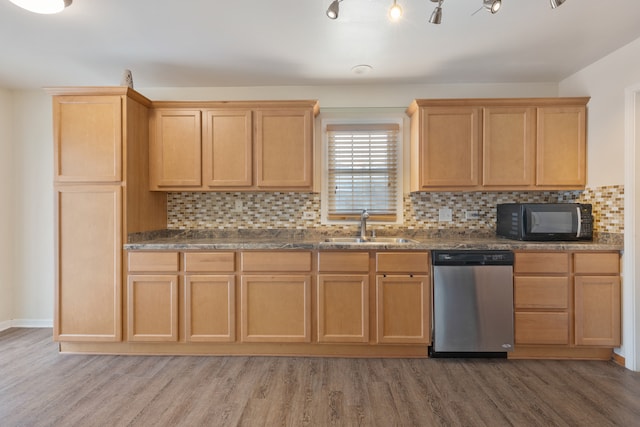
{"points": [[246, 239]]}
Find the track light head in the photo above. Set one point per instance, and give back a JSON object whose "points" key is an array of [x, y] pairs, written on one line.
{"points": [[492, 6], [436, 15], [334, 9], [556, 3], [395, 11]]}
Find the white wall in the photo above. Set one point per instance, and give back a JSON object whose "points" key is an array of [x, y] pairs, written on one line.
{"points": [[606, 82], [6, 209], [33, 199]]}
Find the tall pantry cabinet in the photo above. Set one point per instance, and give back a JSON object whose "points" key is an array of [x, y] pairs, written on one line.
{"points": [[101, 194]]}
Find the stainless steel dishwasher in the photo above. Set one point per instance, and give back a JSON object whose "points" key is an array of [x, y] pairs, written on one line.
{"points": [[472, 303]]}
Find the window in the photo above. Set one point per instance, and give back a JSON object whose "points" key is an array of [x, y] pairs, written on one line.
{"points": [[362, 171]]}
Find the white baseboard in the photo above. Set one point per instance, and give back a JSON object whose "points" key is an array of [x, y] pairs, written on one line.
{"points": [[26, 323]]}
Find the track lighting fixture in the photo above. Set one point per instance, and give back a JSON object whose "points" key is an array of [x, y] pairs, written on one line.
{"points": [[395, 11], [436, 15], [43, 6], [334, 9], [492, 6]]}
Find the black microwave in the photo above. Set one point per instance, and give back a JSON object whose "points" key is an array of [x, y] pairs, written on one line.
{"points": [[545, 221]]}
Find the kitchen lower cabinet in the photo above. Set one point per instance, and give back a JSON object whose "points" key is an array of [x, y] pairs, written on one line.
{"points": [[152, 308], [209, 296], [597, 299], [343, 308], [210, 308], [403, 310], [276, 308], [343, 297], [89, 272], [152, 297], [567, 304], [403, 298]]}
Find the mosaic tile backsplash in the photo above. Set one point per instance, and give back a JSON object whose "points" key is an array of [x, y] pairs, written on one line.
{"points": [[223, 211]]}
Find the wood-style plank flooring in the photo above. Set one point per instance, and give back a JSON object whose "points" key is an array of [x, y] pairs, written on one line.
{"points": [[40, 387]]}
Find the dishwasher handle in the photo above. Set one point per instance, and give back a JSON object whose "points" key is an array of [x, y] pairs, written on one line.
{"points": [[472, 257]]}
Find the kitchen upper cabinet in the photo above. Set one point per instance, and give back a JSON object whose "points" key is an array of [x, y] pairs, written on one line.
{"points": [[561, 147], [446, 151], [175, 149], [239, 146], [228, 149], [284, 149], [498, 144], [87, 138], [508, 146]]}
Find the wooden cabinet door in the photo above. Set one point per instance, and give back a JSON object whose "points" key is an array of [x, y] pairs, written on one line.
{"points": [[276, 308], [284, 145], [343, 308], [87, 138], [597, 310], [449, 147], [152, 307], [228, 148], [89, 270], [175, 149], [508, 146], [403, 309], [210, 308], [561, 147]]}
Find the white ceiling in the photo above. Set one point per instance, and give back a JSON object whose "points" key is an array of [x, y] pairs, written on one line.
{"points": [[292, 42]]}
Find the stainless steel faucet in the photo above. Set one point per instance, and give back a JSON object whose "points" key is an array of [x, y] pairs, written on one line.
{"points": [[363, 224]]}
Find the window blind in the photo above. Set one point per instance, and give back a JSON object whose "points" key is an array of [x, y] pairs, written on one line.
{"points": [[362, 170]]}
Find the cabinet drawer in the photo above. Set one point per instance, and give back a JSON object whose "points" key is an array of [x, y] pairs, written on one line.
{"points": [[276, 261], [542, 328], [153, 261], [600, 263], [209, 262], [541, 292], [541, 262], [357, 262], [402, 262]]}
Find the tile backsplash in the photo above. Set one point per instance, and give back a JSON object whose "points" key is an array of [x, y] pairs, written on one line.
{"points": [[239, 210]]}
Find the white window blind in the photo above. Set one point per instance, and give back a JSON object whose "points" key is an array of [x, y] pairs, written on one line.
{"points": [[362, 170]]}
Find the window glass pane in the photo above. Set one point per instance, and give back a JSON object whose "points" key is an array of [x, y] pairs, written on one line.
{"points": [[362, 169]]}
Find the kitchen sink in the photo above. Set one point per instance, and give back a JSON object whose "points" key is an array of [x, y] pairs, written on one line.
{"points": [[370, 240]]}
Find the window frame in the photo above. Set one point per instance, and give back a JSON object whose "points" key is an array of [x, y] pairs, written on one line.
{"points": [[398, 218]]}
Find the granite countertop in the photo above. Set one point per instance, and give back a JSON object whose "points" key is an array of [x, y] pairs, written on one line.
{"points": [[304, 239]]}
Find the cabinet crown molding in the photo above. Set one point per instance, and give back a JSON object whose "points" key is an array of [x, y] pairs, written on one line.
{"points": [[494, 102]]}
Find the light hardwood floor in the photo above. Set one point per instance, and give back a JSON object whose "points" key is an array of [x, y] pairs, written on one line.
{"points": [[40, 387]]}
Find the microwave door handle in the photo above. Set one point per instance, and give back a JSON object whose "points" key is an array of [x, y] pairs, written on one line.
{"points": [[579, 222]]}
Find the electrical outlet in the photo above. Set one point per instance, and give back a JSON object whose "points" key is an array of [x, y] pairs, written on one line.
{"points": [[445, 215], [309, 215], [471, 215], [238, 206]]}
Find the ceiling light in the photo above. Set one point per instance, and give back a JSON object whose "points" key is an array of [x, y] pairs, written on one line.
{"points": [[556, 3], [361, 69], [334, 9], [436, 15], [492, 6], [395, 11], [42, 6]]}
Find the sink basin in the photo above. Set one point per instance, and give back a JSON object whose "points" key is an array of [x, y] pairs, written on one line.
{"points": [[370, 240]]}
